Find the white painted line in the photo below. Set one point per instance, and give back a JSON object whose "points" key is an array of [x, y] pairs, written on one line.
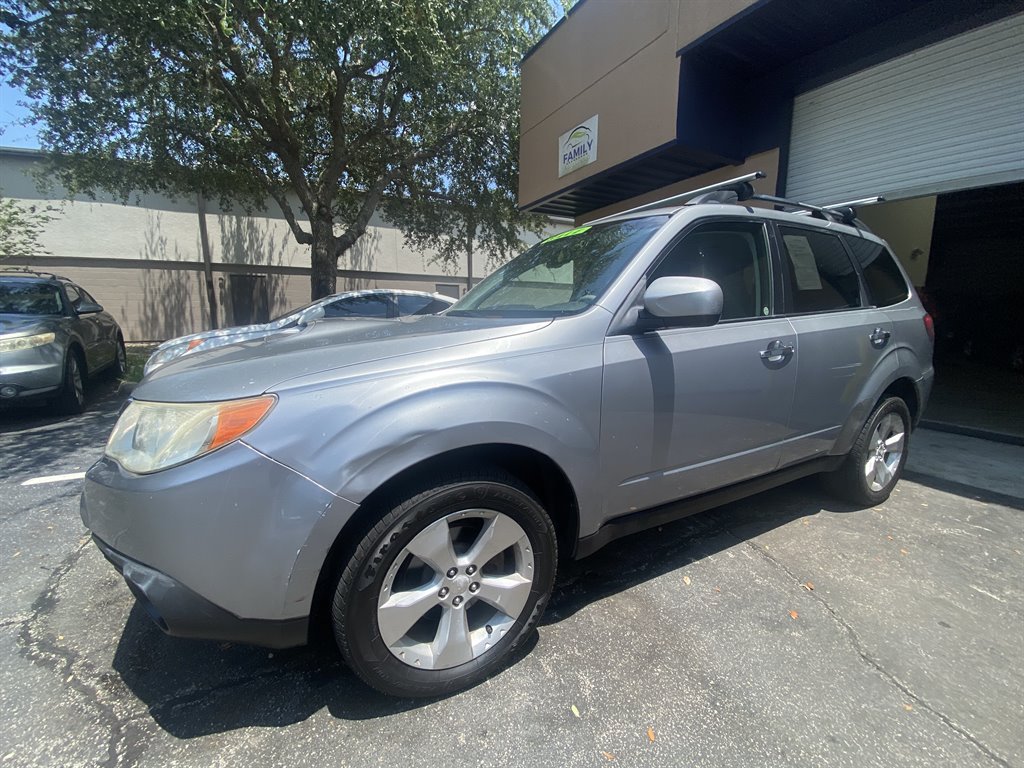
{"points": [[54, 478]]}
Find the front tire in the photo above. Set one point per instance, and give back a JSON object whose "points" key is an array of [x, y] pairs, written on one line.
{"points": [[120, 366], [875, 463], [445, 586], [72, 395]]}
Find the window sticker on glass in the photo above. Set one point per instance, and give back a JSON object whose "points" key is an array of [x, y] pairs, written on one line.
{"points": [[805, 270], [570, 233]]}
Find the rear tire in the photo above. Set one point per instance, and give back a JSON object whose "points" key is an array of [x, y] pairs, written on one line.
{"points": [[72, 395], [446, 585], [875, 463]]}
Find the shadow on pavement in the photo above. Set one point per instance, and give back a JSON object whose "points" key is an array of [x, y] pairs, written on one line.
{"points": [[41, 438], [194, 688]]}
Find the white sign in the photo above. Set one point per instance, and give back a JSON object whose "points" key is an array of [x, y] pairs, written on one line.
{"points": [[578, 147], [801, 256]]}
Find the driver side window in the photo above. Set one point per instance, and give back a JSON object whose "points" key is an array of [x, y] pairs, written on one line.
{"points": [[734, 255]]}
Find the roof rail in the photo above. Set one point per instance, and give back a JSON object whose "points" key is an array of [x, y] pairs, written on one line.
{"points": [[32, 272], [740, 185]]}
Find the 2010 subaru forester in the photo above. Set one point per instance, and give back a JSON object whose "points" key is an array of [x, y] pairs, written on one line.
{"points": [[415, 479]]}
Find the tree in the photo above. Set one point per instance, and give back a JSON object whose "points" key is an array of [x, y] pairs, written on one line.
{"points": [[20, 227], [332, 108]]}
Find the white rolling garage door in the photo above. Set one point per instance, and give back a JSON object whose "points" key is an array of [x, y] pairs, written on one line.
{"points": [[948, 116]]}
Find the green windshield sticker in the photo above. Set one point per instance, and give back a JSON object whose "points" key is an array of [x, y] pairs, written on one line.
{"points": [[570, 233]]}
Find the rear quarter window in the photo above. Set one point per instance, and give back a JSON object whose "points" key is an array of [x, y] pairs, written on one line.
{"points": [[884, 280]]}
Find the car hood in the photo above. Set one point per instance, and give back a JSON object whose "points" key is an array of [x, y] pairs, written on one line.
{"points": [[25, 324], [235, 330], [252, 367]]}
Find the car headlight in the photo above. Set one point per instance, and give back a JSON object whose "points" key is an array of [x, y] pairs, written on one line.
{"points": [[26, 342], [152, 436]]}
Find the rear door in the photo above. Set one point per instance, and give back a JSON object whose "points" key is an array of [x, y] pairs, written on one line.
{"points": [[842, 340], [687, 410]]}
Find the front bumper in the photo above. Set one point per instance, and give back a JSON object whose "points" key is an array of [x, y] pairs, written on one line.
{"points": [[180, 612], [31, 372], [218, 543]]}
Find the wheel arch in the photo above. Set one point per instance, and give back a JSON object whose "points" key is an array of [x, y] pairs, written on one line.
{"points": [[899, 384], [537, 471]]}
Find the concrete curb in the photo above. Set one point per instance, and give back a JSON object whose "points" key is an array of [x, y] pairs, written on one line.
{"points": [[984, 434]]}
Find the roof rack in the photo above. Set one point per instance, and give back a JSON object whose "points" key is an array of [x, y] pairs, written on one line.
{"points": [[740, 186], [30, 272], [844, 213]]}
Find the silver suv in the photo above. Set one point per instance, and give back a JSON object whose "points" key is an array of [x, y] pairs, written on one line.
{"points": [[415, 480], [53, 335]]}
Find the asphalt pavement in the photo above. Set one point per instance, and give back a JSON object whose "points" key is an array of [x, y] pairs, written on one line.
{"points": [[784, 630]]}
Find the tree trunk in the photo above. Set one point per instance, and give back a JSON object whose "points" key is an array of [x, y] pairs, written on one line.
{"points": [[470, 235], [204, 242], [324, 261]]}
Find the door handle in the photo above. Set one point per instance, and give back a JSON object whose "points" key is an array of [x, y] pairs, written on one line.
{"points": [[777, 351], [879, 337]]}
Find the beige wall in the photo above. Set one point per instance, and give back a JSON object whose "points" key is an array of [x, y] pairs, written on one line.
{"points": [[765, 161], [615, 59], [907, 226], [154, 227], [143, 260]]}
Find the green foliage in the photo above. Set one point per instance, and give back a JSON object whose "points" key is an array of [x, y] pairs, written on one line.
{"points": [[20, 227], [330, 107]]}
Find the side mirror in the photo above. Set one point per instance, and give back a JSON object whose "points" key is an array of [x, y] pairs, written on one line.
{"points": [[88, 308], [680, 302]]}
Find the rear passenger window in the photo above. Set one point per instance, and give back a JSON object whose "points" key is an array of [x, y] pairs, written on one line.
{"points": [[411, 305], [820, 275], [734, 255], [884, 280], [358, 306]]}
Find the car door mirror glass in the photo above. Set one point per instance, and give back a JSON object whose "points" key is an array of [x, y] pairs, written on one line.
{"points": [[683, 301]]}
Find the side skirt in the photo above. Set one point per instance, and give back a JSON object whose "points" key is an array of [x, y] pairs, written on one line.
{"points": [[635, 522]]}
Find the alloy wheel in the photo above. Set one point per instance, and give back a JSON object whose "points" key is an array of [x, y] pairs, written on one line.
{"points": [[456, 589], [885, 452]]}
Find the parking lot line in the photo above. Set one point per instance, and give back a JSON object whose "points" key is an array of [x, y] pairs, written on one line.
{"points": [[55, 478]]}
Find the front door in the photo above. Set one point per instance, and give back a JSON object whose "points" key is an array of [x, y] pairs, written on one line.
{"points": [[688, 410]]}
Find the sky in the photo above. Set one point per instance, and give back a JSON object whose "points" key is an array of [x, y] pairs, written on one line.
{"points": [[12, 134]]}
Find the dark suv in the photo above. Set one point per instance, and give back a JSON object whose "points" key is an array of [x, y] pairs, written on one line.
{"points": [[53, 335], [414, 480]]}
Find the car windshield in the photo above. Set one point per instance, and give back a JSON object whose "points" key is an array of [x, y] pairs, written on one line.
{"points": [[26, 298], [562, 275]]}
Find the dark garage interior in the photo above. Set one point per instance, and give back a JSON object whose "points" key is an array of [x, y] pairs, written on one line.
{"points": [[975, 292]]}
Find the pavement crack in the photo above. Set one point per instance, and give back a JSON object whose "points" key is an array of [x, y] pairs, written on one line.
{"points": [[46, 650], [870, 660]]}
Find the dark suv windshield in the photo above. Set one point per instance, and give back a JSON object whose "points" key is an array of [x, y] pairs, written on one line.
{"points": [[562, 275], [18, 297]]}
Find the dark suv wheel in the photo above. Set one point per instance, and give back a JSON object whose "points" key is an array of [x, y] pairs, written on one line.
{"points": [[71, 399], [448, 582]]}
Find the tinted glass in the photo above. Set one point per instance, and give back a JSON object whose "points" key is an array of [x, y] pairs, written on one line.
{"points": [[734, 255], [410, 305], [25, 298], [562, 275], [433, 307], [881, 274], [820, 275], [73, 295], [358, 306]]}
